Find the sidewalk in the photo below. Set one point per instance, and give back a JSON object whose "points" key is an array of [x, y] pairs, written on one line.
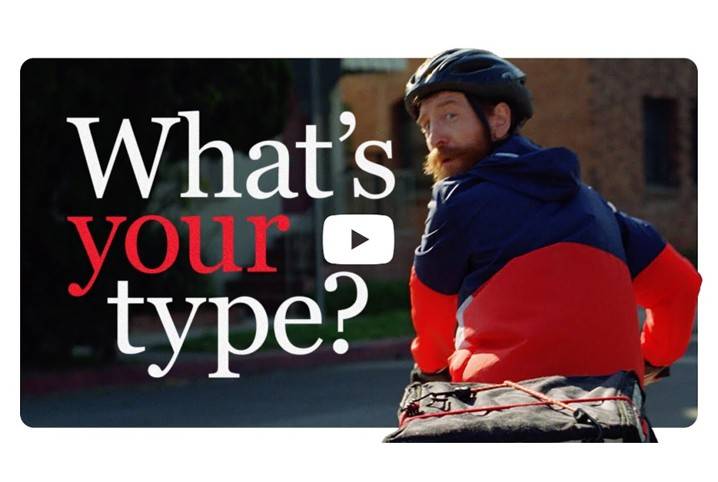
{"points": [[130, 370]]}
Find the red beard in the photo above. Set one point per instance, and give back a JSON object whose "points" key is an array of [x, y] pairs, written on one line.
{"points": [[441, 163]]}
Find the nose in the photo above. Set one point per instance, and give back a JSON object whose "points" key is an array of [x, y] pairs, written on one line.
{"points": [[437, 137]]}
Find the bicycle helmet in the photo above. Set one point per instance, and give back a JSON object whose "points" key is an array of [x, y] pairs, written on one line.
{"points": [[481, 75]]}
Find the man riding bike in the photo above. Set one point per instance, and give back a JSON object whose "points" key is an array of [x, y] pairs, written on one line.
{"points": [[523, 271]]}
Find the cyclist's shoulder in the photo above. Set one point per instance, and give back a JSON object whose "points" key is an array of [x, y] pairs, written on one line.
{"points": [[463, 191]]}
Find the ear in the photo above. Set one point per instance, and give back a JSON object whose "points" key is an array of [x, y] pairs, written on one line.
{"points": [[500, 121]]}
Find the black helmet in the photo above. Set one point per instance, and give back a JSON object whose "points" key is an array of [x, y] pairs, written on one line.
{"points": [[477, 73]]}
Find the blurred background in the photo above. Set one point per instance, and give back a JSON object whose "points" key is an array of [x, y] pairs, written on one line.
{"points": [[633, 124]]}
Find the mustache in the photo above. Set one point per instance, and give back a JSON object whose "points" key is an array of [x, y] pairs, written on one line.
{"points": [[434, 160], [441, 154]]}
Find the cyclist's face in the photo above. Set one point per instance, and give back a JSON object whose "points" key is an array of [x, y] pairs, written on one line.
{"points": [[455, 137]]}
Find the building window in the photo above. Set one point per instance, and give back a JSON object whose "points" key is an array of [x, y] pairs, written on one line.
{"points": [[659, 141]]}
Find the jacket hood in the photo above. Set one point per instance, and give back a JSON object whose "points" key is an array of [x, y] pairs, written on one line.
{"points": [[517, 163]]}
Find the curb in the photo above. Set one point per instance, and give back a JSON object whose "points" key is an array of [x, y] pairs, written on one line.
{"points": [[135, 373]]}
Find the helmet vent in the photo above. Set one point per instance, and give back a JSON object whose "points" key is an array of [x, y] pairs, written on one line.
{"points": [[471, 66]]}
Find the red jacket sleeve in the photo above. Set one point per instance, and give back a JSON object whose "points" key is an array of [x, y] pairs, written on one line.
{"points": [[434, 317], [668, 289]]}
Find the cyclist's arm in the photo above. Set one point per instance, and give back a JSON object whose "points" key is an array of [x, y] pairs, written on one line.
{"points": [[434, 317], [668, 289], [666, 285], [436, 276]]}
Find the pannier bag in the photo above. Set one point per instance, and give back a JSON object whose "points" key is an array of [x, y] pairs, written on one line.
{"points": [[547, 409]]}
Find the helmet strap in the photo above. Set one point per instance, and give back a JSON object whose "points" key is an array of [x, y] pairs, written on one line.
{"points": [[475, 103]]}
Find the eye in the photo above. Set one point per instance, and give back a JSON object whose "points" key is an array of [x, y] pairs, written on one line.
{"points": [[451, 116]]}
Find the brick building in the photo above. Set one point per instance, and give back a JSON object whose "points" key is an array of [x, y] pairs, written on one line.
{"points": [[632, 122]]}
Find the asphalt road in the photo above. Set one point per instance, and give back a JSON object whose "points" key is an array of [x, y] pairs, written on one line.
{"points": [[350, 395], [673, 401]]}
